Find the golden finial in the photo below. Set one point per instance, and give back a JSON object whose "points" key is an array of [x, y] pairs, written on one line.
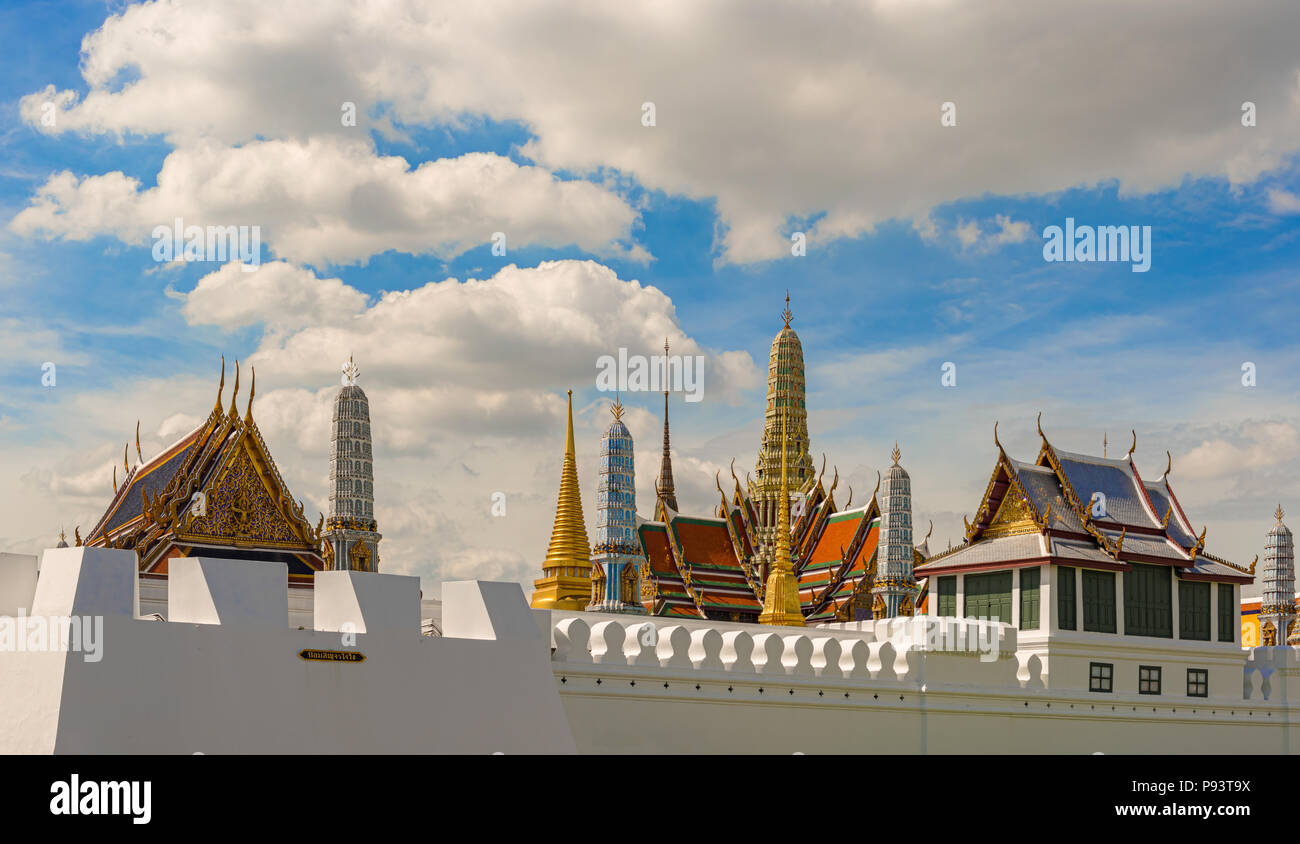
{"points": [[1040, 426], [835, 481], [352, 371], [733, 473], [566, 583], [849, 503], [930, 531], [221, 386], [1279, 514], [877, 489], [125, 465], [995, 437], [897, 454], [1133, 447], [617, 409], [781, 597], [1119, 543], [717, 481], [137, 441], [76, 532], [115, 480], [252, 390], [235, 392], [63, 536], [786, 315], [1169, 466]]}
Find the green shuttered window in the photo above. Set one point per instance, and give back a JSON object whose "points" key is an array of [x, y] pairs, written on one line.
{"points": [[1148, 601], [1193, 610], [1098, 601], [1029, 599], [1065, 596], [1227, 613], [948, 595], [989, 596]]}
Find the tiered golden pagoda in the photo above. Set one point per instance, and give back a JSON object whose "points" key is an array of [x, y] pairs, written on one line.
{"points": [[566, 581], [781, 597]]}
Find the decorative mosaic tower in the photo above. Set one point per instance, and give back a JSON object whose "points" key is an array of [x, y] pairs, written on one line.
{"points": [[785, 406], [781, 594], [617, 550], [566, 572], [1277, 613], [894, 589], [351, 538]]}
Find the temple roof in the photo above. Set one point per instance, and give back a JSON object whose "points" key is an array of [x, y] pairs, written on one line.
{"points": [[217, 492], [1051, 511]]}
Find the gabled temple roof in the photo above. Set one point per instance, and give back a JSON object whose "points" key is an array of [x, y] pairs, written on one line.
{"points": [[246, 511], [1040, 512]]}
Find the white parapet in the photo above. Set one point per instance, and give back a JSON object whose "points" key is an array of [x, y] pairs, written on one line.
{"points": [[87, 581], [227, 674], [207, 590], [366, 602], [17, 582]]}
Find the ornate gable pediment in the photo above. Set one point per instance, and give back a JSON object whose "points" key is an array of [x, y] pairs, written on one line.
{"points": [[246, 503]]}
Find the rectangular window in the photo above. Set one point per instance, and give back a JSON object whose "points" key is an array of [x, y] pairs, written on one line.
{"points": [[1148, 601], [989, 596], [1194, 610], [1098, 601], [948, 595], [1227, 613], [1148, 679], [1101, 677], [1198, 682], [1065, 596], [1029, 599]]}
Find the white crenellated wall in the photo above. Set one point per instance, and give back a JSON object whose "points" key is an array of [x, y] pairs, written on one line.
{"points": [[224, 674], [647, 685]]}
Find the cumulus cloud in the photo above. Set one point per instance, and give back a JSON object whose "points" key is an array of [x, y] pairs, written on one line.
{"points": [[832, 111], [332, 200]]}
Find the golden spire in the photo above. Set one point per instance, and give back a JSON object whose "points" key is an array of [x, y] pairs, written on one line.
{"points": [[566, 581], [786, 315], [897, 454], [235, 392], [137, 441], [125, 465], [115, 480], [222, 386], [781, 598], [1279, 514], [252, 390], [616, 409]]}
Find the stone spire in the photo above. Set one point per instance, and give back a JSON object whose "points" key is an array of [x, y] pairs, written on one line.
{"points": [[1277, 613], [785, 407], [351, 534], [617, 552], [566, 580], [894, 587], [781, 596], [664, 486]]}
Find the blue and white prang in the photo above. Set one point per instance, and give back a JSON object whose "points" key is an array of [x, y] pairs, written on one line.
{"points": [[617, 550]]}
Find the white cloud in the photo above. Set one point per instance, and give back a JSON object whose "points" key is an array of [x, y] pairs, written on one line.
{"points": [[278, 294], [786, 113], [332, 200], [1283, 202]]}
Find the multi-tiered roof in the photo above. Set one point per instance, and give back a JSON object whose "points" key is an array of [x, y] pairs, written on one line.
{"points": [[216, 492], [1081, 510]]}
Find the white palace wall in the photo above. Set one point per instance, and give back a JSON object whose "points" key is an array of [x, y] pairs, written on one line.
{"points": [[222, 674]]}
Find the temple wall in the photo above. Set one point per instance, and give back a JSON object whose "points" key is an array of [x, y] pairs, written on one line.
{"points": [[224, 675], [894, 687]]}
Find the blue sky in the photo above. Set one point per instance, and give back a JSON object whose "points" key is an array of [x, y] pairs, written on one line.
{"points": [[887, 292]]}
